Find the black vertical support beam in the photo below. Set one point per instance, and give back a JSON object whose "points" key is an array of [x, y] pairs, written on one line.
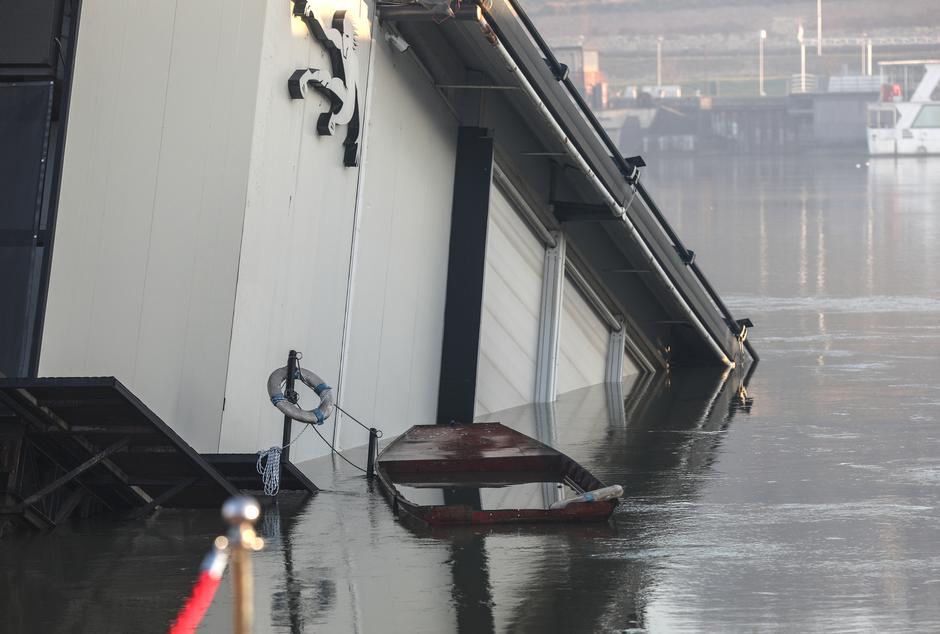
{"points": [[292, 397], [373, 446], [465, 267]]}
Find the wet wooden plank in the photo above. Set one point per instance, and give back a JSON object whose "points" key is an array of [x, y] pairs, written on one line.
{"points": [[476, 448], [478, 455]]}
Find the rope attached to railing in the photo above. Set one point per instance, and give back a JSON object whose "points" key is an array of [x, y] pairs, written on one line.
{"points": [[269, 460], [268, 464]]}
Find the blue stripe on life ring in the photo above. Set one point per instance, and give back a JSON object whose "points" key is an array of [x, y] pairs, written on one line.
{"points": [[322, 387], [277, 398], [319, 416]]}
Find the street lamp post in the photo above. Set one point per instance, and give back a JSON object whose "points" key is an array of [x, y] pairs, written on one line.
{"points": [[819, 27], [802, 41], [763, 36], [864, 54], [659, 63]]}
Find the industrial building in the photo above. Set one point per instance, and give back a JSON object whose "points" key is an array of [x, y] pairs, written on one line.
{"points": [[413, 195]]}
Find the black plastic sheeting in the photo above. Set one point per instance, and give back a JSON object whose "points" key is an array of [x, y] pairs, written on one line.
{"points": [[27, 34], [25, 117]]}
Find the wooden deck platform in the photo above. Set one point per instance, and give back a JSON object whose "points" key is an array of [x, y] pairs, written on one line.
{"points": [[79, 446]]}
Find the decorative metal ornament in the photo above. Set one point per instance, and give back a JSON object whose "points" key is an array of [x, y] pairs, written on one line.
{"points": [[339, 84]]}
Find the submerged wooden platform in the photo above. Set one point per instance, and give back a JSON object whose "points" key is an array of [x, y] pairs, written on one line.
{"points": [[78, 446], [461, 459], [239, 469]]}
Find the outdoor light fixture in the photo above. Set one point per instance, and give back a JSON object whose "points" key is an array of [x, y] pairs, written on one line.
{"points": [[399, 43]]}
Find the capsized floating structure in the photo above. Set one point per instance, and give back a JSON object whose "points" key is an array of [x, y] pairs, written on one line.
{"points": [[451, 475], [72, 447]]}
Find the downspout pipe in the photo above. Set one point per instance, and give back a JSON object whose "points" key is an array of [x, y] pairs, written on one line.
{"points": [[616, 208]]}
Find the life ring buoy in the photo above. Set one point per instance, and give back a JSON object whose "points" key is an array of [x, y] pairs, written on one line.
{"points": [[315, 416]]}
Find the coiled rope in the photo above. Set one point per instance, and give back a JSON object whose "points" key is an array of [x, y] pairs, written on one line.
{"points": [[268, 465], [269, 468]]}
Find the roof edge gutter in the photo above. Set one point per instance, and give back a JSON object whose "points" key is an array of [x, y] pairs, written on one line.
{"points": [[618, 209]]}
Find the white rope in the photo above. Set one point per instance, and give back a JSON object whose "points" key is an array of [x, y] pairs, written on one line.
{"points": [[269, 465], [269, 468]]}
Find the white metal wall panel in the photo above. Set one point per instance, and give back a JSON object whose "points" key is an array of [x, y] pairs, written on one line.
{"points": [[509, 328], [630, 369], [151, 203], [582, 355], [400, 284], [294, 262]]}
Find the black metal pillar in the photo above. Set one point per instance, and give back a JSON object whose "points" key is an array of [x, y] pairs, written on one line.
{"points": [[373, 448], [465, 267], [291, 396]]}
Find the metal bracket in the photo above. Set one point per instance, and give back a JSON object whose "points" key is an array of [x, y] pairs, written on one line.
{"points": [[686, 255], [742, 328], [559, 70]]}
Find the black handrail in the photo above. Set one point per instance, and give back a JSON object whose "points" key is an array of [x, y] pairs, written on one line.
{"points": [[558, 69]]}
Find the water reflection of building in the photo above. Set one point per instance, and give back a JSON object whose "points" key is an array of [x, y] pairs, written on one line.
{"points": [[343, 563], [659, 442]]}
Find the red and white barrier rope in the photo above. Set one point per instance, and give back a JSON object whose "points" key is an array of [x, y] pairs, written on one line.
{"points": [[210, 575]]}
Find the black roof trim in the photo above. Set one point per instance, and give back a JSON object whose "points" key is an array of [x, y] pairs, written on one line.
{"points": [[518, 35]]}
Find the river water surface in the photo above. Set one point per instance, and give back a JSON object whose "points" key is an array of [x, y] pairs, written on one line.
{"points": [[805, 497]]}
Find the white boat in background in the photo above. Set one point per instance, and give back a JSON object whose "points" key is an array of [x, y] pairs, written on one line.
{"points": [[905, 121]]}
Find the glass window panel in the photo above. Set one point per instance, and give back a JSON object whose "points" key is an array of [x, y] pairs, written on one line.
{"points": [[928, 117]]}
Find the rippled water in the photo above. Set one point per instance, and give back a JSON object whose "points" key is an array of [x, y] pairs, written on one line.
{"points": [[805, 501]]}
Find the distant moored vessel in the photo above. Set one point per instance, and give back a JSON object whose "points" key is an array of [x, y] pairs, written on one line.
{"points": [[904, 121]]}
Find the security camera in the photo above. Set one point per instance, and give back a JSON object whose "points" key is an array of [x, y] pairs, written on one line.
{"points": [[397, 41]]}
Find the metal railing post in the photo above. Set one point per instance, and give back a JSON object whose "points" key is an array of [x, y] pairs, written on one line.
{"points": [[291, 396], [242, 512], [373, 446]]}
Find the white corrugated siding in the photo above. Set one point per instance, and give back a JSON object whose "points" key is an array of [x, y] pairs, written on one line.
{"points": [[630, 369], [397, 326], [294, 263], [152, 201], [298, 237], [583, 345], [512, 290], [206, 230]]}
